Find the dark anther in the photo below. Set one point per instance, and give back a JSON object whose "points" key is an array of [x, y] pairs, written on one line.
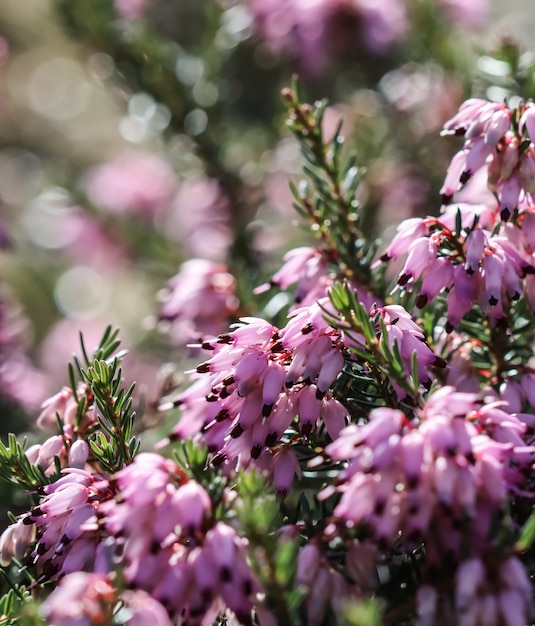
{"points": [[236, 431], [266, 410]]}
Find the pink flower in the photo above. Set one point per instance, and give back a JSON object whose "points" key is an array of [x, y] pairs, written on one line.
{"points": [[316, 32], [455, 460], [478, 265], [199, 219], [200, 299], [64, 406], [257, 380], [493, 143], [173, 548], [324, 586], [15, 541], [81, 599], [132, 183], [66, 539], [308, 269]]}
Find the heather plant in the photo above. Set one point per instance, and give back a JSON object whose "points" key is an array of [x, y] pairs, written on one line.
{"points": [[352, 442]]}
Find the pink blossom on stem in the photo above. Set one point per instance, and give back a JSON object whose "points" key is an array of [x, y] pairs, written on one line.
{"points": [[308, 269], [318, 31], [455, 460], [173, 548], [66, 541], [494, 143], [478, 265], [259, 379], [199, 300], [82, 599]]}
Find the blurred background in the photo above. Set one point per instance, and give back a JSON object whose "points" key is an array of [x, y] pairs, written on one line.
{"points": [[144, 162]]}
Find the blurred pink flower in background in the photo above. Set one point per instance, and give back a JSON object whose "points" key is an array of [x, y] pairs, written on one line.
{"points": [[470, 12], [401, 190], [130, 9], [423, 91], [315, 30], [200, 300], [132, 183], [81, 599], [199, 219], [63, 341], [89, 243], [20, 380]]}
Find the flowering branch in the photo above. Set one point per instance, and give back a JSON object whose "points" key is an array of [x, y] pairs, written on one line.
{"points": [[330, 204]]}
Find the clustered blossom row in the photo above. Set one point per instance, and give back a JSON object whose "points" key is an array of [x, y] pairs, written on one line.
{"points": [[200, 300], [481, 265], [441, 480], [264, 389], [155, 522], [501, 140]]}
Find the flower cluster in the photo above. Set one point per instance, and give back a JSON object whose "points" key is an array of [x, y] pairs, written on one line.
{"points": [[481, 264], [88, 599], [325, 585], [172, 545], [458, 454], [485, 594], [308, 269], [312, 32], [259, 380], [264, 389], [442, 479], [67, 539], [78, 419], [199, 300], [500, 139]]}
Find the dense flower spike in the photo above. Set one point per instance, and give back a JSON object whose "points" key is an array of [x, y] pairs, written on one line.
{"points": [[479, 265], [308, 269], [173, 547], [259, 380], [458, 461], [67, 538], [500, 139], [264, 389]]}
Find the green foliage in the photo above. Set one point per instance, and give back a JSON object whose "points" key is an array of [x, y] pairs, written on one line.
{"points": [[364, 613], [370, 344], [113, 445], [16, 468], [18, 608], [327, 197], [274, 559]]}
